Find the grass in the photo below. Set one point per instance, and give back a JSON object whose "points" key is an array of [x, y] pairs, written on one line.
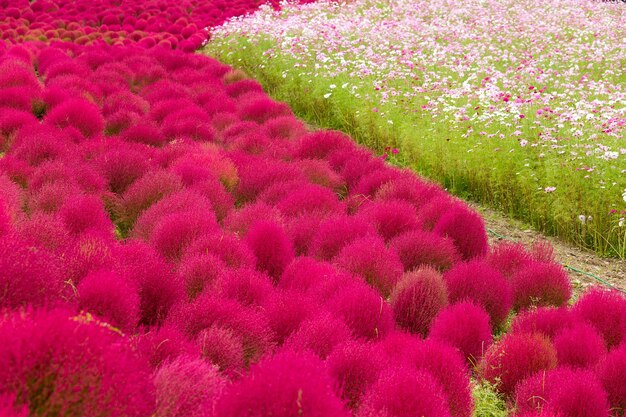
{"points": [[487, 401], [477, 159]]}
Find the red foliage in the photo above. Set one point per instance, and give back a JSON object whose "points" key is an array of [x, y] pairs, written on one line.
{"points": [[355, 366], [564, 392], [271, 246], [508, 258], [466, 229], [79, 114], [417, 299], [464, 326], [62, 354], [368, 258], [286, 384], [187, 387], [418, 248], [404, 392], [391, 218], [606, 311], [546, 320], [515, 357], [224, 348], [336, 232], [110, 297], [480, 283], [365, 312], [611, 371], [540, 284], [579, 346], [319, 334]]}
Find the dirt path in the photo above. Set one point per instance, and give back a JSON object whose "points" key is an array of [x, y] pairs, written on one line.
{"points": [[610, 270]]}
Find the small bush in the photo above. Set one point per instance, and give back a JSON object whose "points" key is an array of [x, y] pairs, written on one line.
{"points": [[417, 299], [464, 326], [540, 284], [516, 357], [418, 248], [271, 246], [579, 346], [606, 311], [611, 371]]}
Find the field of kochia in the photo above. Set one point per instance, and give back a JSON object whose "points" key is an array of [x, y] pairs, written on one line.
{"points": [[519, 105], [174, 242]]}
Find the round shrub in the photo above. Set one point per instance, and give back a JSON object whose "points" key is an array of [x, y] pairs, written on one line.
{"points": [[109, 296], [336, 232], [480, 283], [515, 357], [271, 246], [606, 311], [579, 346], [611, 371], [508, 258], [540, 284], [418, 248], [286, 384], [391, 218], [464, 326], [369, 258], [466, 229], [223, 348], [319, 334], [187, 387], [79, 114], [404, 392], [563, 392], [417, 299], [365, 312], [546, 320], [82, 365]]}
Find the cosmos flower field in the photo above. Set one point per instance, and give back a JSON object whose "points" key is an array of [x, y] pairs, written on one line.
{"points": [[174, 242], [516, 104]]}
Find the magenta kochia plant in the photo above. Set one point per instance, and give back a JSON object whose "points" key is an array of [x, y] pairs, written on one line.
{"points": [[404, 392], [611, 371], [319, 334], [286, 384], [271, 246], [465, 326], [417, 248], [187, 387], [84, 367], [79, 114], [563, 391], [540, 284], [480, 283], [580, 346], [546, 320], [606, 311], [369, 258], [391, 218], [516, 357], [417, 299], [111, 298], [336, 232]]}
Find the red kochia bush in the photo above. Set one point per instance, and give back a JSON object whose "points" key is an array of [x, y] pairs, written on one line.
{"points": [[234, 252], [508, 258], [369, 258], [163, 344], [355, 366], [223, 348], [311, 198], [271, 246], [319, 334], [82, 365], [187, 387], [563, 392], [85, 213], [546, 320], [611, 372], [175, 232], [8, 409], [365, 312], [540, 284], [466, 228], [391, 218], [111, 297], [336, 232], [464, 326], [482, 284], [418, 248], [404, 392], [580, 346], [606, 311], [208, 310], [318, 145], [198, 271], [515, 357], [158, 287], [417, 299], [28, 275], [246, 285], [287, 384], [146, 191], [79, 114]]}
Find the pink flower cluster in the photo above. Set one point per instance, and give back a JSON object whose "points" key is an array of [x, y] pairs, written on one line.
{"points": [[182, 24]]}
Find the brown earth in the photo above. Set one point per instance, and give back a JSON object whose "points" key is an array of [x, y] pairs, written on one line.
{"points": [[611, 270]]}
